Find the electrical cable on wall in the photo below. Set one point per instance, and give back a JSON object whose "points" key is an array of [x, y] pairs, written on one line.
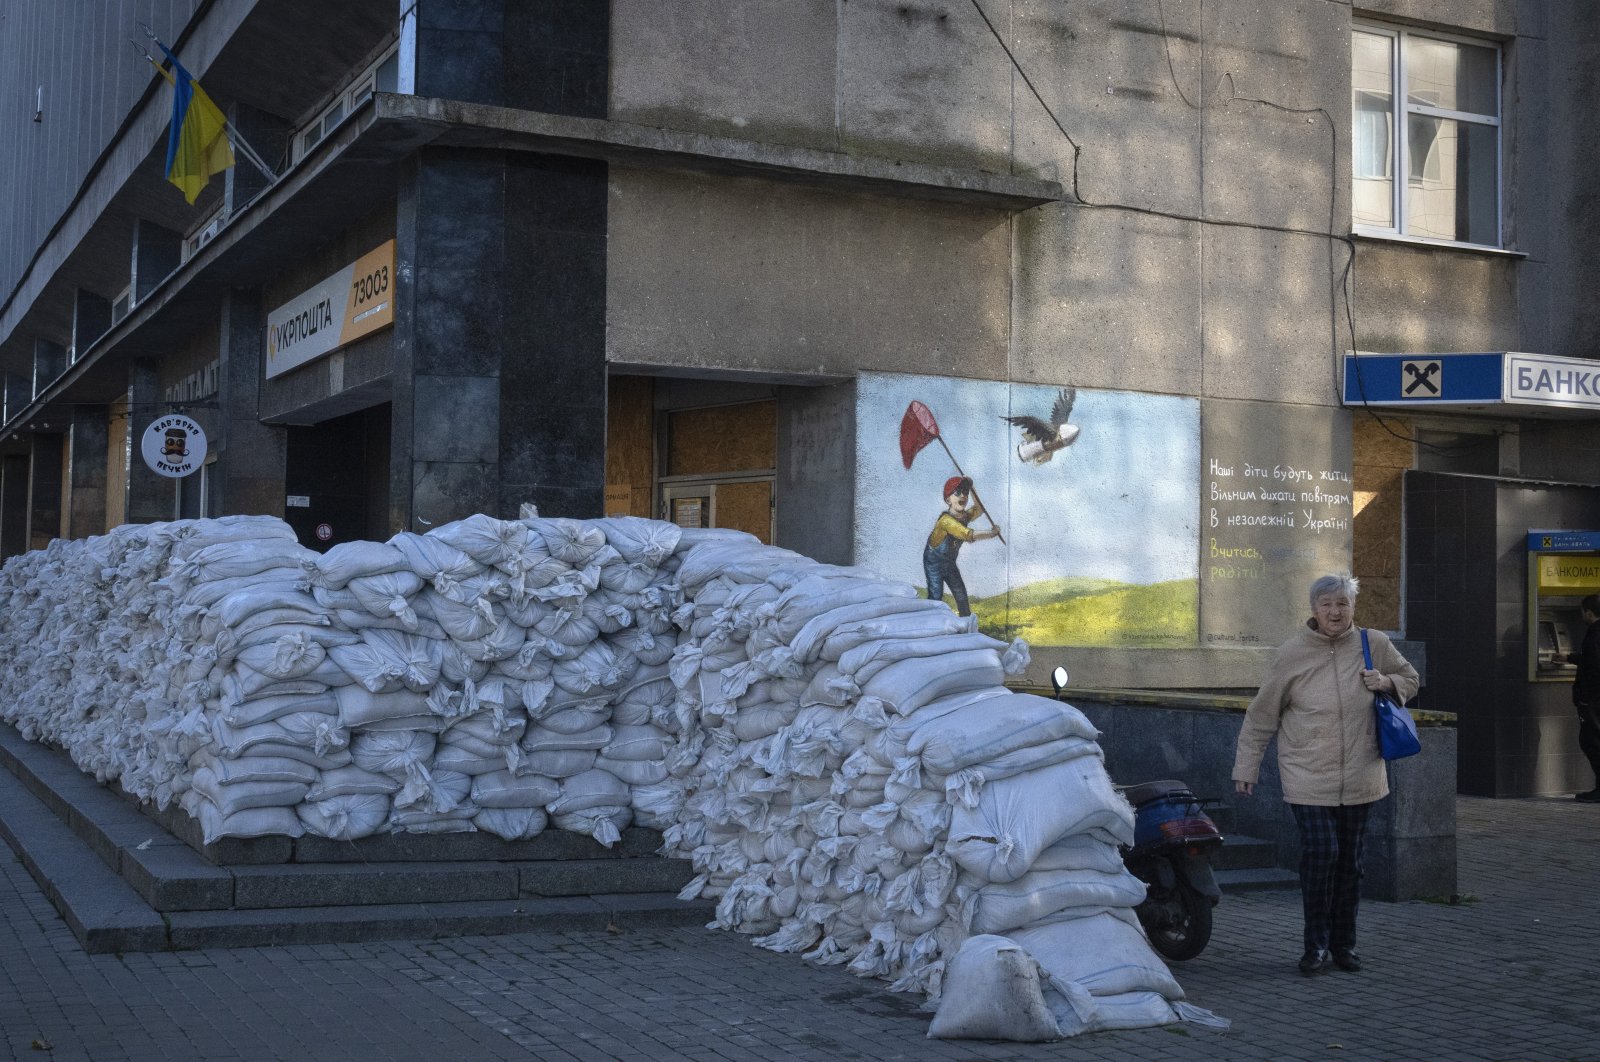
{"points": [[1345, 284]]}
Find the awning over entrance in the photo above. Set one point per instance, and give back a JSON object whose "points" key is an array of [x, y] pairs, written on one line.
{"points": [[1503, 382]]}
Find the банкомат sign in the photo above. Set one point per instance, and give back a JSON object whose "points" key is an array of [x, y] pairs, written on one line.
{"points": [[353, 302]]}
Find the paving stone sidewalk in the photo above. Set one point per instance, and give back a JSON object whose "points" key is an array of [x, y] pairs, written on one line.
{"points": [[1505, 974]]}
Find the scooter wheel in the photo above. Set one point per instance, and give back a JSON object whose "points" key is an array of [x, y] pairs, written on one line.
{"points": [[1188, 932]]}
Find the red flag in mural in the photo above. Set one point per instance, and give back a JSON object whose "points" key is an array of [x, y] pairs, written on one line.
{"points": [[917, 429]]}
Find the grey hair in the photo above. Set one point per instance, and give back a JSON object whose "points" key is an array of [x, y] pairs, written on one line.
{"points": [[1348, 585]]}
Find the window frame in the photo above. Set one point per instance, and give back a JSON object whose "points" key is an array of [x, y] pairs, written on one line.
{"points": [[1401, 111]]}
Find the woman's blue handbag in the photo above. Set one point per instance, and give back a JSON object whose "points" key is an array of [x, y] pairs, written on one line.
{"points": [[1397, 731]]}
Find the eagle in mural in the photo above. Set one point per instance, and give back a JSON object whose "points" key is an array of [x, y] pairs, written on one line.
{"points": [[1041, 439]]}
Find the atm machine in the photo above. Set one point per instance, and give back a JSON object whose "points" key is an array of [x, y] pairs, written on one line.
{"points": [[1563, 569]]}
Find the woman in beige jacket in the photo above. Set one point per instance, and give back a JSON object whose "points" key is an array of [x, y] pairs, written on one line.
{"points": [[1317, 701]]}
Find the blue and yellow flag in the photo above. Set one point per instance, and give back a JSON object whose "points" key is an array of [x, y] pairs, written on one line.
{"points": [[197, 142]]}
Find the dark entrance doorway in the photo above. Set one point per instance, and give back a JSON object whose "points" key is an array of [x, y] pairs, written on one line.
{"points": [[337, 479]]}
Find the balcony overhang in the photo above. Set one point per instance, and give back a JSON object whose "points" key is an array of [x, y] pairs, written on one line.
{"points": [[334, 183]]}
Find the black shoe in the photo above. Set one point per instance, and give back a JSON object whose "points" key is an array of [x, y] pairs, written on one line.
{"points": [[1591, 797], [1347, 959], [1316, 962]]}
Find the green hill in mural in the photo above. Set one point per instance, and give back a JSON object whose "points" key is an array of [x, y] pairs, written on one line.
{"points": [[1094, 612]]}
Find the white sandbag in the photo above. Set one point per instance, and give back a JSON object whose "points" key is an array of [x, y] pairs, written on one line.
{"points": [[889, 650], [993, 990], [345, 818], [572, 541], [494, 724], [597, 667], [559, 763], [288, 657], [361, 708], [485, 539], [640, 541], [253, 598], [430, 557], [1107, 954], [538, 739], [502, 789], [351, 781], [964, 785], [807, 642], [1018, 818], [604, 824], [386, 660], [907, 685], [395, 753], [505, 641], [512, 824], [930, 624], [990, 729], [254, 768], [592, 789], [636, 743], [353, 560], [569, 626], [1039, 894], [236, 560], [464, 620], [633, 772], [233, 797], [453, 757], [311, 730], [266, 709], [327, 760], [456, 820], [387, 595], [254, 822]]}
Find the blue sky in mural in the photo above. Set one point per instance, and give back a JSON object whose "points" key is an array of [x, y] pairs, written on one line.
{"points": [[1122, 502]]}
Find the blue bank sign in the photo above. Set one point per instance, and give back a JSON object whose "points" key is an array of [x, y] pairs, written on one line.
{"points": [[1504, 379]]}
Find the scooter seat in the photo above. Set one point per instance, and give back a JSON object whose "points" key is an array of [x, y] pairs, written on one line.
{"points": [[1145, 792]]}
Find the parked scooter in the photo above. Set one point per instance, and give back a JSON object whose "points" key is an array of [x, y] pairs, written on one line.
{"points": [[1173, 839]]}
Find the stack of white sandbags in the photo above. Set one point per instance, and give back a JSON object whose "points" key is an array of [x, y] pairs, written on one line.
{"points": [[461, 680], [108, 658], [859, 786], [837, 755]]}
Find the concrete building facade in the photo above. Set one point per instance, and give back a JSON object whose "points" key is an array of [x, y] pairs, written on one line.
{"points": [[703, 260]]}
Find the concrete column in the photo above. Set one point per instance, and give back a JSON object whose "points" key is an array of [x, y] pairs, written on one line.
{"points": [[450, 330], [49, 362], [553, 377], [150, 497], [87, 443], [44, 491], [156, 253], [559, 54], [249, 474], [13, 505], [91, 317], [268, 135]]}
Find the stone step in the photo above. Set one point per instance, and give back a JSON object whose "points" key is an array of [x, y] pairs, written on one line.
{"points": [[1257, 879], [1239, 852], [322, 925], [123, 883]]}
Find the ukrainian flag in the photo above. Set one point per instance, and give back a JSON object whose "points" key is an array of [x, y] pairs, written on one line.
{"points": [[197, 142]]}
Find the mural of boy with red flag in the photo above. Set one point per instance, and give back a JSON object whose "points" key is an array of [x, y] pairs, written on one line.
{"points": [[953, 527]]}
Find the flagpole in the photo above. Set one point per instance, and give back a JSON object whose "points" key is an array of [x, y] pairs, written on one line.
{"points": [[975, 496], [235, 137]]}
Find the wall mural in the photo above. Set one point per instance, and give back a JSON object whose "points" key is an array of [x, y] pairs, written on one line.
{"points": [[1065, 516]]}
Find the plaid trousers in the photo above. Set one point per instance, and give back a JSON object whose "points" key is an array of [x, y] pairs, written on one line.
{"points": [[1330, 871]]}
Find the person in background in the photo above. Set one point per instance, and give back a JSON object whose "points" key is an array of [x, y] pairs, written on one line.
{"points": [[1317, 701], [1586, 692], [944, 543]]}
